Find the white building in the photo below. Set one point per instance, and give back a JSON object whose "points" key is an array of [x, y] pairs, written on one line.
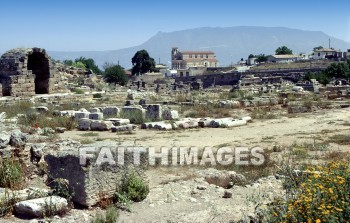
{"points": [[288, 58], [188, 59], [325, 53]]}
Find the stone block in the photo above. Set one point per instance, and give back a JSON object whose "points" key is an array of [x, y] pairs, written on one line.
{"points": [[111, 111], [84, 124], [133, 111], [88, 181], [170, 115], [96, 116], [123, 128], [80, 115], [4, 139], [97, 125], [94, 110], [41, 206], [69, 113], [154, 112], [119, 121]]}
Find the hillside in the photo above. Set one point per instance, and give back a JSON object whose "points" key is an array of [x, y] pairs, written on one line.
{"points": [[229, 44]]}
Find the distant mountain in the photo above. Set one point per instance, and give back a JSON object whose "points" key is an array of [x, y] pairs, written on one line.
{"points": [[229, 44]]}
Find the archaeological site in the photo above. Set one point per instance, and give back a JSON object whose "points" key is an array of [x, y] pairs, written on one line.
{"points": [[194, 142]]}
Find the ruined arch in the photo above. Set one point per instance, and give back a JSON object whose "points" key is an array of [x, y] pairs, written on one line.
{"points": [[39, 64], [29, 71]]}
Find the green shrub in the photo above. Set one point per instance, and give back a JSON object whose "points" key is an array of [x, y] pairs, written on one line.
{"points": [[6, 204], [135, 117], [11, 173], [111, 216], [61, 189], [134, 187], [97, 95], [79, 91], [16, 108], [321, 196]]}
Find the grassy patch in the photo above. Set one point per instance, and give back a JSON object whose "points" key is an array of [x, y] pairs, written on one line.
{"points": [[86, 141], [89, 134], [135, 117], [262, 113], [16, 108], [205, 110], [339, 139], [11, 173], [111, 215]]}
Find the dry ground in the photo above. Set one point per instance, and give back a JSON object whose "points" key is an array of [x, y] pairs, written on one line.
{"points": [[173, 191]]}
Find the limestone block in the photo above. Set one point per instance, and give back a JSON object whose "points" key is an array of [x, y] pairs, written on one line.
{"points": [[154, 112], [96, 116], [111, 110], [97, 125], [84, 124], [91, 182], [170, 115], [119, 121], [94, 110], [41, 206], [123, 128], [80, 115]]}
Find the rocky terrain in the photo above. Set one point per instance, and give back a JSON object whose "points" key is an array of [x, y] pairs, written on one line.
{"points": [[176, 193]]}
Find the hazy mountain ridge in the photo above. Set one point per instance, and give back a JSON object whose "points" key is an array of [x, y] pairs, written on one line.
{"points": [[229, 44]]}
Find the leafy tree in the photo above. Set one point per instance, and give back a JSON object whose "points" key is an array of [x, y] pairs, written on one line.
{"points": [[89, 64], [115, 74], [319, 76], [283, 50], [68, 62], [318, 48], [250, 56], [338, 70], [261, 58], [335, 70], [142, 63], [79, 64]]}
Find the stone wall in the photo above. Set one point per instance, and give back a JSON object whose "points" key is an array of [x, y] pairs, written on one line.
{"points": [[28, 71], [89, 182]]}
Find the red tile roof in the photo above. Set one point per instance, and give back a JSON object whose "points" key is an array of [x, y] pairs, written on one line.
{"points": [[196, 52]]}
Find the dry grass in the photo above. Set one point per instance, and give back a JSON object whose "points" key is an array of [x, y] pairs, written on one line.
{"points": [[339, 139], [205, 110]]}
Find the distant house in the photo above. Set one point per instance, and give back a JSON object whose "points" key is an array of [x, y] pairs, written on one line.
{"points": [[327, 53], [347, 54], [251, 61], [288, 58], [183, 60]]}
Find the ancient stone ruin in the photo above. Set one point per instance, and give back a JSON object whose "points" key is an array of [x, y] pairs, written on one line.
{"points": [[28, 71]]}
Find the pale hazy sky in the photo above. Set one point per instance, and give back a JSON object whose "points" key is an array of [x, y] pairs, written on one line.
{"points": [[108, 25]]}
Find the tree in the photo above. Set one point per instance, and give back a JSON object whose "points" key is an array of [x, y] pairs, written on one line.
{"points": [[318, 48], [283, 50], [261, 58], [338, 70], [115, 74], [142, 63], [89, 64], [68, 62], [79, 64]]}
